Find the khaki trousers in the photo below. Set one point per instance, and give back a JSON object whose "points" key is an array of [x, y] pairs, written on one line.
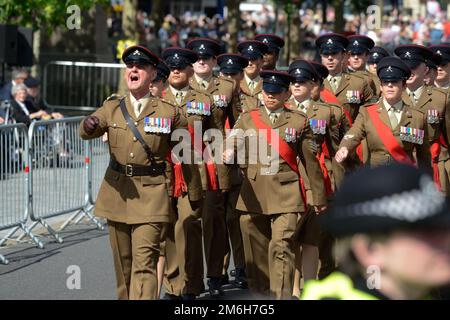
{"points": [[269, 253], [135, 250], [184, 251]]}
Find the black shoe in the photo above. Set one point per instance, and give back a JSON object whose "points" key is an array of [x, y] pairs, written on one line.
{"points": [[169, 296], [188, 296], [240, 280], [214, 287], [225, 280]]}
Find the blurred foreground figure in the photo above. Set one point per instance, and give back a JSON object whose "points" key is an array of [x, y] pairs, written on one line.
{"points": [[393, 227]]}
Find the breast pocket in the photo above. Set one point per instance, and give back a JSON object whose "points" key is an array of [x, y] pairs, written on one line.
{"points": [[116, 134], [289, 189]]}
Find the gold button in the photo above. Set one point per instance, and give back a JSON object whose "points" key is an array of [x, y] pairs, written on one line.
{"points": [[136, 124], [132, 155], [134, 139], [115, 125]]}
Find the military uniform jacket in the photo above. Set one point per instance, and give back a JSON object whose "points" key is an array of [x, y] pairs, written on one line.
{"points": [[221, 90], [212, 121], [353, 92], [246, 90], [434, 99], [273, 188], [378, 154], [372, 80], [137, 199]]}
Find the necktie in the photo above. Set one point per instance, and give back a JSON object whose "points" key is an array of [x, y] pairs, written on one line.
{"points": [[413, 97], [179, 97], [137, 108], [334, 83], [251, 85], [273, 117], [393, 118], [301, 107], [204, 85]]}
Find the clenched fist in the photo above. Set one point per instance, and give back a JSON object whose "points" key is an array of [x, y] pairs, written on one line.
{"points": [[90, 124]]}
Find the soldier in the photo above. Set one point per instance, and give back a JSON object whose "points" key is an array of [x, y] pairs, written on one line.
{"points": [[274, 44], [270, 198], [433, 102], [254, 51], [432, 64], [351, 89], [134, 195], [391, 218], [358, 50], [320, 120], [159, 84], [232, 66], [213, 216], [184, 256], [443, 71], [375, 55], [394, 130]]}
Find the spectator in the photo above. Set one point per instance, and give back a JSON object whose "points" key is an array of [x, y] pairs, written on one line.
{"points": [[22, 109], [18, 76], [34, 97]]}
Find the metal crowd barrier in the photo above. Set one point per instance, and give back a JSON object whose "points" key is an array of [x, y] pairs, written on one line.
{"points": [[14, 181], [48, 171], [67, 84]]}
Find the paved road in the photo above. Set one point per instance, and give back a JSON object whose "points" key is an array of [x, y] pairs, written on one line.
{"points": [[41, 273]]}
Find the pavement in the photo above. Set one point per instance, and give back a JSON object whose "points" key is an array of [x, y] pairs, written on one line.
{"points": [[50, 273]]}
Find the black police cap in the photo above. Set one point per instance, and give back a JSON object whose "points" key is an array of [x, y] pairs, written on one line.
{"points": [[384, 199], [276, 81], [204, 47], [162, 71], [252, 49], [331, 43], [376, 54], [231, 63], [393, 69], [139, 54], [321, 70], [179, 58], [302, 71], [358, 44], [413, 54], [443, 50], [274, 42]]}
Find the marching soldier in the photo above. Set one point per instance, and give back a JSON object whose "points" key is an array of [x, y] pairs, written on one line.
{"points": [[443, 69], [232, 66], [184, 256], [375, 55], [135, 194], [394, 130], [270, 198], [434, 103], [321, 122], [213, 216], [254, 51], [351, 89], [432, 64], [358, 50], [159, 84], [274, 44]]}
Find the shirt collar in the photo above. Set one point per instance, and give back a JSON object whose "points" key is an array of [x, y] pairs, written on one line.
{"points": [[200, 79], [247, 79], [417, 92], [275, 111], [174, 91], [338, 76], [398, 106], [306, 103], [141, 100]]}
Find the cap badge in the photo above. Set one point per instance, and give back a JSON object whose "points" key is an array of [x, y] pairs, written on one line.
{"points": [[250, 48], [298, 71], [273, 79], [407, 54], [356, 43], [375, 55], [265, 40], [330, 41], [389, 69], [230, 61], [439, 52], [175, 56], [202, 47], [136, 53]]}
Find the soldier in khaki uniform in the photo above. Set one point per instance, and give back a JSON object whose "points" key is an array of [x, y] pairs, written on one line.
{"points": [[433, 102], [375, 55], [232, 66], [443, 68], [274, 44], [135, 194], [394, 130], [254, 51], [270, 198], [213, 216], [321, 122], [358, 50]]}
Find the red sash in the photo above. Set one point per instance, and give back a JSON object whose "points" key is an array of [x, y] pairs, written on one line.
{"points": [[213, 184], [179, 185], [283, 149], [387, 138], [435, 150]]}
